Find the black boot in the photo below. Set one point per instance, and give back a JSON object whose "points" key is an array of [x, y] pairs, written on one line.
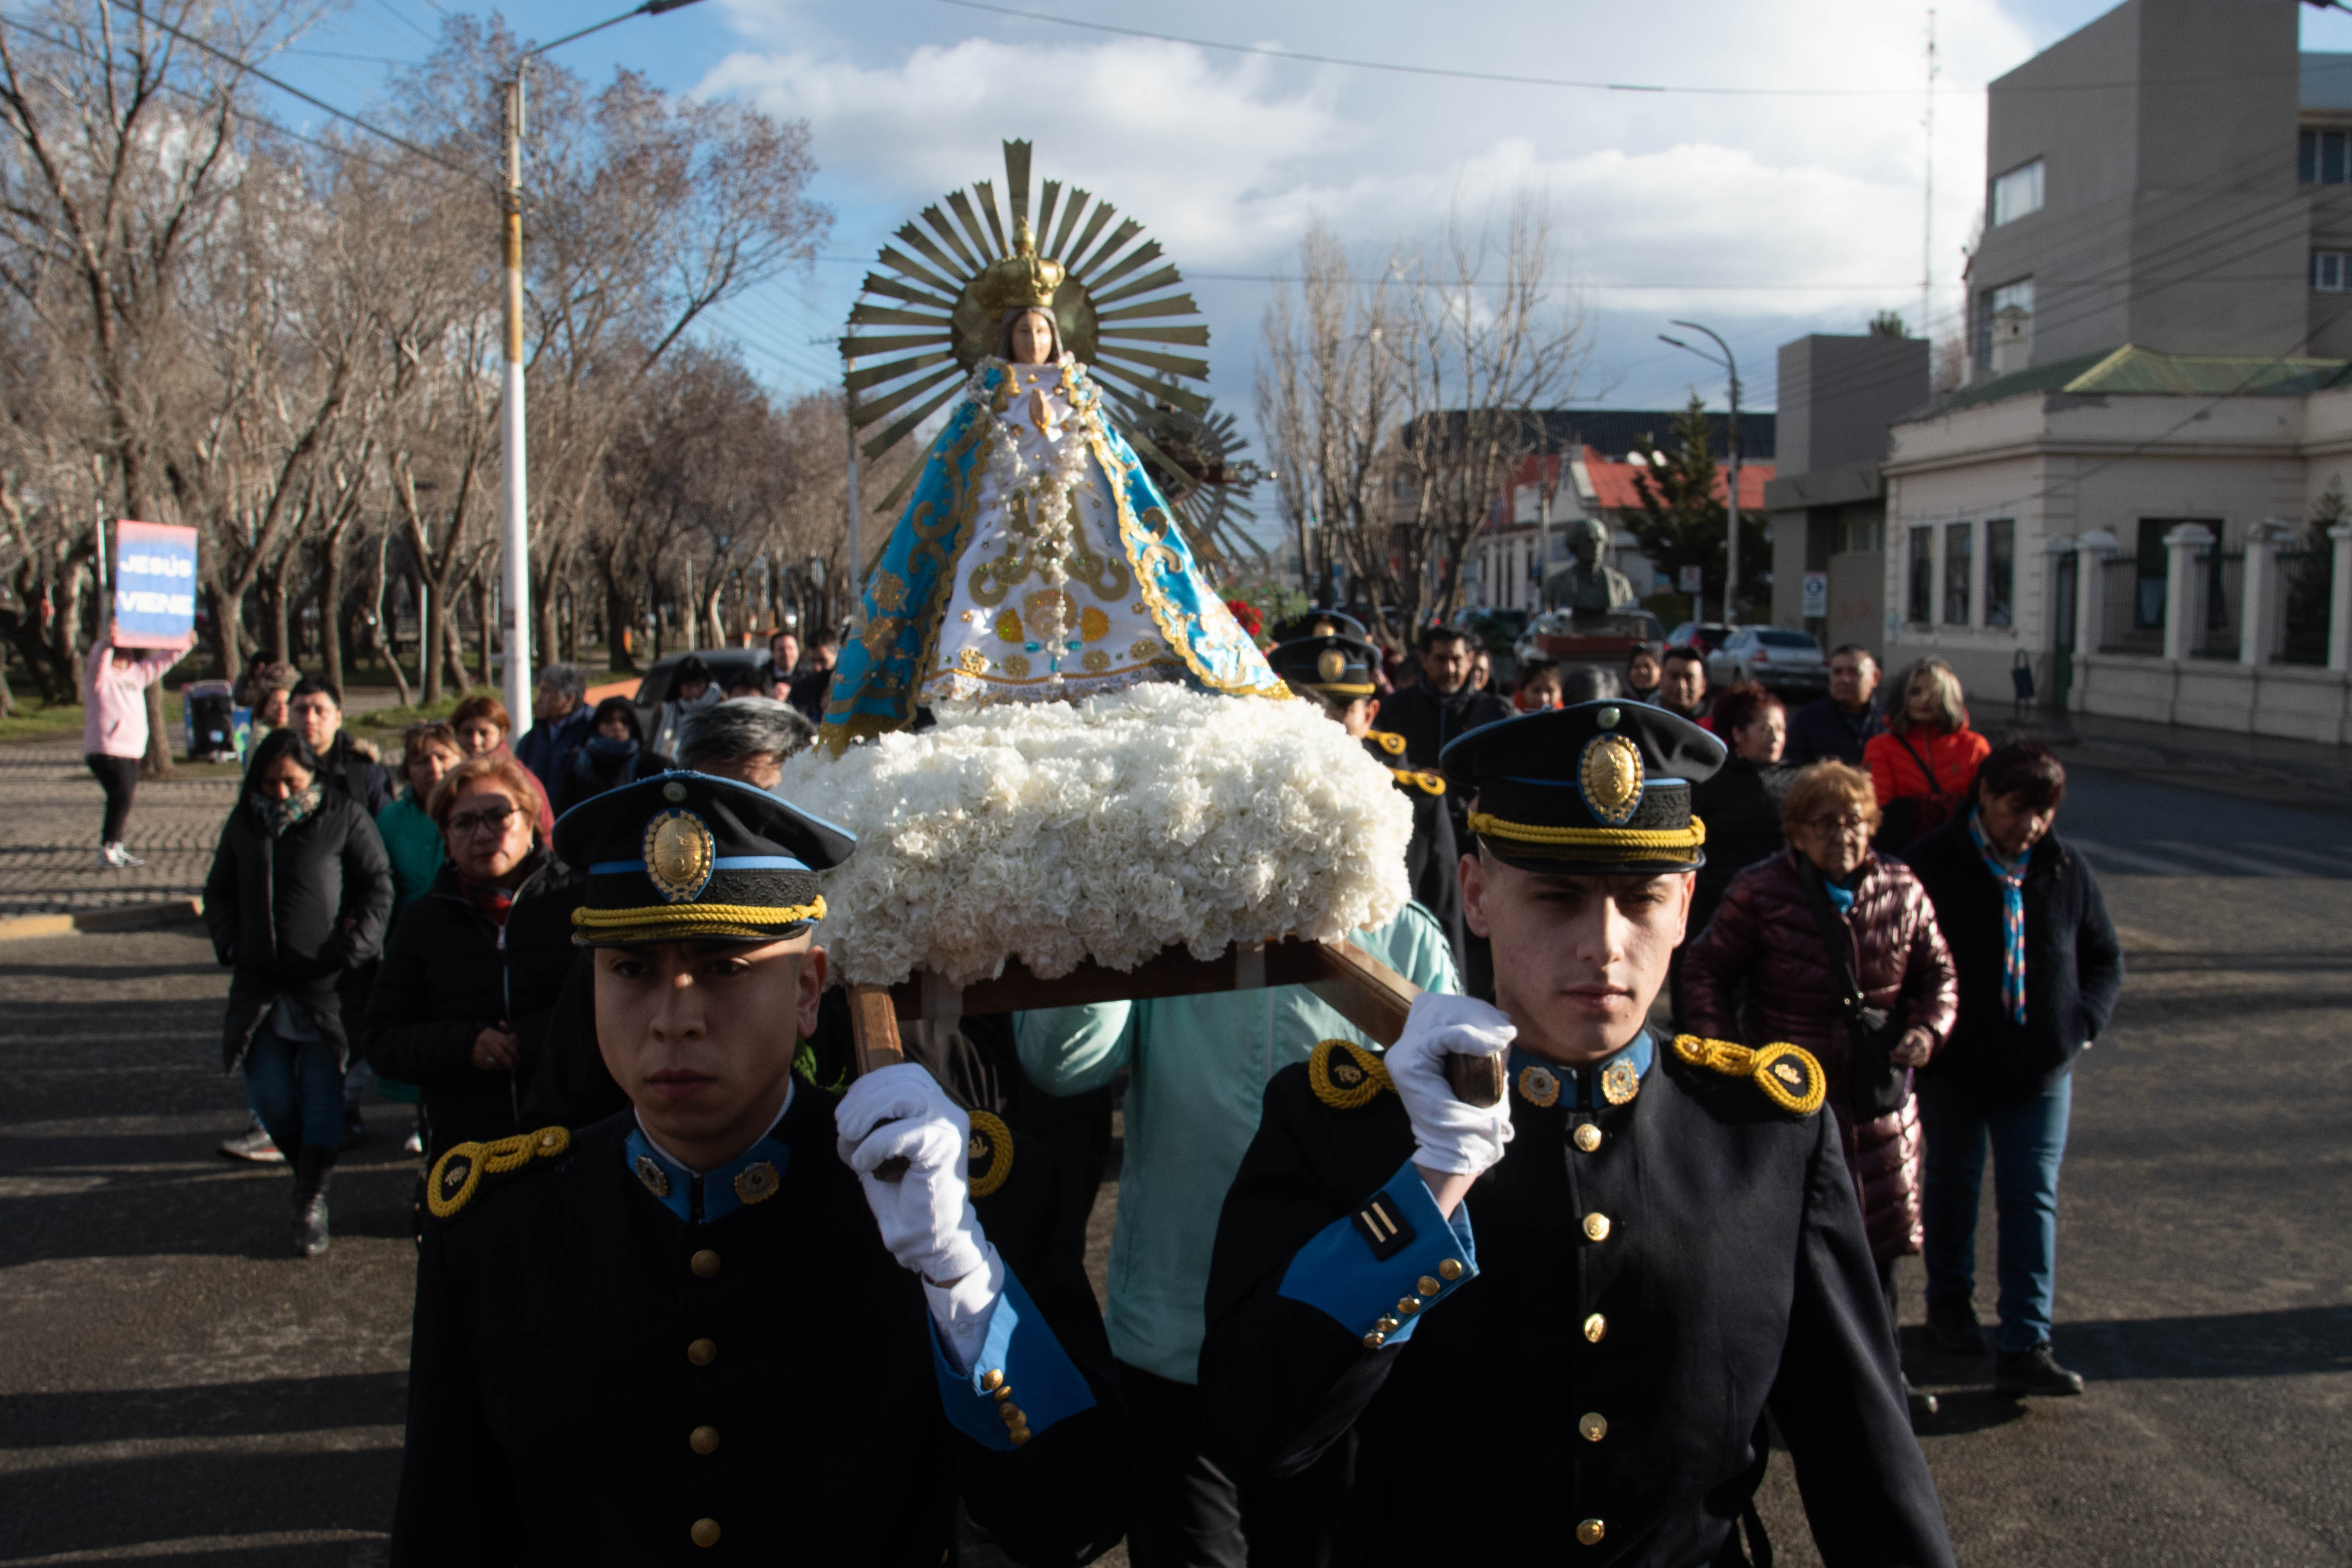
{"points": [[2018, 1372], [312, 1165]]}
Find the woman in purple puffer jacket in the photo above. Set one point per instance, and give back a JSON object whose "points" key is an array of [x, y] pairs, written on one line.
{"points": [[1765, 935]]}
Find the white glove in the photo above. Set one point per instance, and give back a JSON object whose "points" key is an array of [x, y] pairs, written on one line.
{"points": [[1451, 1135], [926, 1216]]}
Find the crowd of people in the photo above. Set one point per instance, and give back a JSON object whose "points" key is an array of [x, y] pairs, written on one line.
{"points": [[1880, 887]]}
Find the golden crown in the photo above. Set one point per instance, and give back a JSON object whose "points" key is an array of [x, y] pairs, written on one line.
{"points": [[1022, 280]]}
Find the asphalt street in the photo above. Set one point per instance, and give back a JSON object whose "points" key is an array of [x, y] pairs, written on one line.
{"points": [[176, 1388]]}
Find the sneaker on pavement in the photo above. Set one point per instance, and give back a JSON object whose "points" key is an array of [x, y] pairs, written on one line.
{"points": [[1952, 1322], [109, 858], [354, 1129], [255, 1144], [2018, 1372], [125, 858]]}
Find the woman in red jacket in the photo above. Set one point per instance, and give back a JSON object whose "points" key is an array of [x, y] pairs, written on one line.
{"points": [[1924, 766], [1763, 971]]}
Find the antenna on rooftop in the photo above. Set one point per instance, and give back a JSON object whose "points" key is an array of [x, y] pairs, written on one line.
{"points": [[1927, 216]]}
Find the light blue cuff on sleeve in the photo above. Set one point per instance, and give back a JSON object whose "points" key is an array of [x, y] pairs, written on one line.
{"points": [[1376, 1271], [1022, 1383]]}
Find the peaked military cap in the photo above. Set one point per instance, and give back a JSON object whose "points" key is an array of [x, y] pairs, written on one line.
{"points": [[686, 856], [1600, 786], [1322, 624], [1338, 665]]}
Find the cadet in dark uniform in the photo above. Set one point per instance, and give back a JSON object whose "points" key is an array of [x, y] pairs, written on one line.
{"points": [[1336, 669], [1671, 1248], [676, 1335]]}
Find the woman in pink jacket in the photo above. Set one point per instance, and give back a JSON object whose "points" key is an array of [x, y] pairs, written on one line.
{"points": [[114, 729]]}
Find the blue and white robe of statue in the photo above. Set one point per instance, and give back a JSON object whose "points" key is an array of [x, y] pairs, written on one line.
{"points": [[1035, 561]]}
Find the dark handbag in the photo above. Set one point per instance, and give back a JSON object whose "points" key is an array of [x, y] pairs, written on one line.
{"points": [[1875, 1086], [1909, 818]]}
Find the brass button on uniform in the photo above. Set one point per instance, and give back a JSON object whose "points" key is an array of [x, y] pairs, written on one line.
{"points": [[1004, 1393], [702, 1352], [1595, 1327], [1588, 1136], [1592, 1426], [1428, 1287], [1407, 1306], [1019, 1437], [1011, 1415], [1386, 1325], [1596, 1228], [1590, 1532], [1375, 1339], [705, 1532], [705, 1439], [705, 1264], [992, 1379], [1450, 1269]]}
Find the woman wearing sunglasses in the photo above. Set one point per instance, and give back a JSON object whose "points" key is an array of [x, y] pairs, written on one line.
{"points": [[439, 1016]]}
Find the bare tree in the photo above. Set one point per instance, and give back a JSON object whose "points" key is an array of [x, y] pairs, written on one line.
{"points": [[1478, 360]]}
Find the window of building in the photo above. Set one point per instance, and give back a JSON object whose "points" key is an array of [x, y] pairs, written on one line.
{"points": [[2000, 570], [1859, 533], [1921, 609], [2321, 159], [1960, 571], [2017, 193], [2331, 271]]}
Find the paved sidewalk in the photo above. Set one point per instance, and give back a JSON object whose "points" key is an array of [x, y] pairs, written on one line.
{"points": [[51, 808], [2264, 767]]}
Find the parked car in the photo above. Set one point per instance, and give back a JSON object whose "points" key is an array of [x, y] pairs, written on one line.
{"points": [[725, 664], [1775, 657], [1704, 636]]}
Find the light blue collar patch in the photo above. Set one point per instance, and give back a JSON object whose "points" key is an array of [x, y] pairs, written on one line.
{"points": [[753, 1178]]}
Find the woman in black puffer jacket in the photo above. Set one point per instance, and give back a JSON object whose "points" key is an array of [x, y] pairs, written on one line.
{"points": [[441, 1016], [297, 898]]}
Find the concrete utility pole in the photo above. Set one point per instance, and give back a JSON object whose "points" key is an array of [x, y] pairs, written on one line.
{"points": [[1731, 481], [857, 559], [514, 523]]}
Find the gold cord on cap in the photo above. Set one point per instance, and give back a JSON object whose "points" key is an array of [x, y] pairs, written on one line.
{"points": [[1568, 843]]}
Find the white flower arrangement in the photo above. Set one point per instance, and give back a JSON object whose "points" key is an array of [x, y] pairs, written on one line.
{"points": [[1108, 828]]}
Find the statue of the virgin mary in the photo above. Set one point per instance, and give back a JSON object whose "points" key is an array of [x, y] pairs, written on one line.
{"points": [[1035, 559]]}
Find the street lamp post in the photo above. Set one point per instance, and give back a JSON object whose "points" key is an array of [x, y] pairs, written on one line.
{"points": [[515, 495], [1731, 484]]}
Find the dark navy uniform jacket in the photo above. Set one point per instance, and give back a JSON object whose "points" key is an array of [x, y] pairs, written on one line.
{"points": [[728, 1370], [1575, 1369]]}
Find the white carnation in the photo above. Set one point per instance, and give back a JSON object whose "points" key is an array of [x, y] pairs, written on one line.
{"points": [[1109, 829]]}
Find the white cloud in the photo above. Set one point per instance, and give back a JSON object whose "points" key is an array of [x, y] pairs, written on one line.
{"points": [[1224, 157]]}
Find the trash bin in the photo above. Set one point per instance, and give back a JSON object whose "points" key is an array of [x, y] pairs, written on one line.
{"points": [[209, 712]]}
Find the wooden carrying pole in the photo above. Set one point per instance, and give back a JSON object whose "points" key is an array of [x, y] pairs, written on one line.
{"points": [[1352, 982]]}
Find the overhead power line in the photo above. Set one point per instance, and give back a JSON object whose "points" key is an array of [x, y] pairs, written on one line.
{"points": [[1515, 79], [250, 68]]}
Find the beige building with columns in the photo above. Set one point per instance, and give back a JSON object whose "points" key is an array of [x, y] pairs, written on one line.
{"points": [[2137, 531]]}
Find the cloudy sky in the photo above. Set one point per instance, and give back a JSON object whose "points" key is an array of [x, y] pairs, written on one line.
{"points": [[1765, 215]]}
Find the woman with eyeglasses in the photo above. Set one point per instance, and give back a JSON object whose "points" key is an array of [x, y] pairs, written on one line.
{"points": [[297, 898], [439, 1016], [1834, 947]]}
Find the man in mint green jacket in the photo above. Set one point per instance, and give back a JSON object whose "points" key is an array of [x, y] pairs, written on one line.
{"points": [[1198, 1067]]}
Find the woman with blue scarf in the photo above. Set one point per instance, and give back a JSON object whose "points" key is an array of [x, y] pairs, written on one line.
{"points": [[614, 754], [298, 896], [2040, 968]]}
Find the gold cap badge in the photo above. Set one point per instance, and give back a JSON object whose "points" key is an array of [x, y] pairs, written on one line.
{"points": [[680, 854], [1611, 776], [1330, 665]]}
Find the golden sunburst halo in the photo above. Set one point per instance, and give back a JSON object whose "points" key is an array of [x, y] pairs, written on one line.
{"points": [[917, 329]]}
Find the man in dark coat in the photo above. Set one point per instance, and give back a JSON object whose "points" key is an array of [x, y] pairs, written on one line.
{"points": [[2040, 968], [1671, 1249], [1334, 671], [763, 1371], [1835, 728], [347, 767], [1444, 704]]}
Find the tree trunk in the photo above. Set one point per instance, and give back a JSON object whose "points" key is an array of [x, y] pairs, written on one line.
{"points": [[229, 630], [619, 615], [157, 763], [484, 619], [431, 638], [331, 609]]}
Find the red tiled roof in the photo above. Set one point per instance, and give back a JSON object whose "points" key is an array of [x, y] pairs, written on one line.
{"points": [[1615, 490]]}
